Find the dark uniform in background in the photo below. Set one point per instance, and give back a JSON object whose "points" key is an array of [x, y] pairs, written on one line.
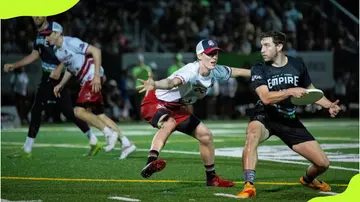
{"points": [[45, 94]]}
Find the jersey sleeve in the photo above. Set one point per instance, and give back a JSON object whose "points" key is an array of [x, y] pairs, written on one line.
{"points": [[305, 79], [257, 76], [185, 74], [78, 45], [221, 72]]}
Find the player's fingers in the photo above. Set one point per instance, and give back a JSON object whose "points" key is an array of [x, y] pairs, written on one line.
{"points": [[141, 80], [142, 90], [139, 87], [336, 102], [149, 74]]}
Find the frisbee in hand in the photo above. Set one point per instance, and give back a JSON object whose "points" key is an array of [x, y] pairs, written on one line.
{"points": [[311, 97]]}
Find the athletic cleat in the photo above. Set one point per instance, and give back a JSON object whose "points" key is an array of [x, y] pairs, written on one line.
{"points": [[249, 191], [316, 184], [20, 154], [94, 149], [111, 141], [218, 182], [153, 167], [125, 151]]}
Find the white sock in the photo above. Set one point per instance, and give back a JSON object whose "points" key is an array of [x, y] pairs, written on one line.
{"points": [[92, 138], [107, 131], [28, 144], [125, 141]]}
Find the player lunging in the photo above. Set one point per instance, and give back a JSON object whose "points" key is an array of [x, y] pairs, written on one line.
{"points": [[84, 61], [164, 107], [275, 80], [51, 75]]}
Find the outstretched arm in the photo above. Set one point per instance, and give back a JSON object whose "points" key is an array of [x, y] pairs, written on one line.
{"points": [[34, 55], [236, 72], [333, 107]]}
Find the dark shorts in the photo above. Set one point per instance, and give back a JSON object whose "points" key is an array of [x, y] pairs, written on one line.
{"points": [[290, 131], [152, 109]]}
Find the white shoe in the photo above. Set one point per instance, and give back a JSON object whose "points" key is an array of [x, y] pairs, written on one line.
{"points": [[126, 151], [111, 141]]}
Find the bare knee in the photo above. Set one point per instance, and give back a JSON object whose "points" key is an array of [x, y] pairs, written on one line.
{"points": [[253, 134], [323, 164], [78, 111], [205, 137]]}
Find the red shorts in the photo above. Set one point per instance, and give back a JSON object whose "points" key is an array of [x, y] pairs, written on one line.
{"points": [[152, 109], [86, 95]]}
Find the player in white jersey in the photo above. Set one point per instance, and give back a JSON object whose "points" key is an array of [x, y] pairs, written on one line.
{"points": [[84, 61], [164, 107]]}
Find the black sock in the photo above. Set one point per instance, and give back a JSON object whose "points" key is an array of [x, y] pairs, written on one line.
{"points": [[308, 179], [153, 155], [210, 172], [249, 176]]}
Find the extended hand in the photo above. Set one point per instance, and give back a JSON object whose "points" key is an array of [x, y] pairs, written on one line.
{"points": [[334, 109], [9, 67], [148, 85]]}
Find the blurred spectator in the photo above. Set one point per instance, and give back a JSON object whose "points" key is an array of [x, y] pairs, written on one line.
{"points": [[19, 81], [226, 98], [140, 71], [177, 64]]}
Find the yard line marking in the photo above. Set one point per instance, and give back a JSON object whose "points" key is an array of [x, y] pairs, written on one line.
{"points": [[226, 195], [170, 151], [306, 163], [328, 193], [142, 181], [5, 200], [123, 198]]}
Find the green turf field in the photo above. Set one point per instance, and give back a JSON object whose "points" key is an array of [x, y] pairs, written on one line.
{"points": [[58, 171]]}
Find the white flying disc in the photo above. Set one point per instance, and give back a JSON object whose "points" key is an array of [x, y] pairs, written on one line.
{"points": [[311, 97]]}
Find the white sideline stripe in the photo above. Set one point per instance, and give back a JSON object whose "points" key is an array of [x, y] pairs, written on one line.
{"points": [[328, 193], [5, 200], [217, 133], [123, 198], [308, 123], [304, 163], [168, 151], [226, 195]]}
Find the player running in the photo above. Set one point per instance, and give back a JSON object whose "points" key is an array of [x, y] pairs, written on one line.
{"points": [[164, 107], [84, 61], [275, 80], [51, 75]]}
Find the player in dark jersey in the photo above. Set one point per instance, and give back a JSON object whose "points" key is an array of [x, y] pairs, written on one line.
{"points": [[275, 80], [52, 72]]}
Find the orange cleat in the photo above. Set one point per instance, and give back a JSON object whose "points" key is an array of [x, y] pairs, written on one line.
{"points": [[249, 191], [316, 184]]}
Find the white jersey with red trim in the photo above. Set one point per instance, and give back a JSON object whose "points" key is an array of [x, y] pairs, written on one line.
{"points": [[194, 86], [73, 54]]}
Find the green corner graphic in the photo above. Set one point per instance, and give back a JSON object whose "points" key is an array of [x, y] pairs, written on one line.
{"points": [[16, 8], [351, 194]]}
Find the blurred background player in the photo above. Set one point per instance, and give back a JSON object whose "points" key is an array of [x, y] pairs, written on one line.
{"points": [[275, 80], [178, 63], [52, 72], [84, 61], [19, 82], [164, 107], [139, 71]]}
